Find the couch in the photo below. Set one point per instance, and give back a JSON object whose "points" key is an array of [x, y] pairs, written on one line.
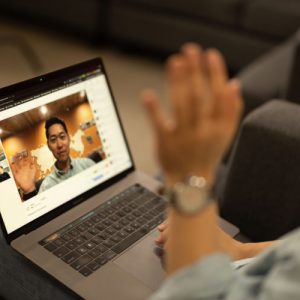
{"points": [[261, 193], [241, 29]]}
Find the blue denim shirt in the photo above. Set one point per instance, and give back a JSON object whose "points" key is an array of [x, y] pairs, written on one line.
{"points": [[273, 275]]}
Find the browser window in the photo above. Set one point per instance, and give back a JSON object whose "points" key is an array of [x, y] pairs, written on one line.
{"points": [[91, 138]]}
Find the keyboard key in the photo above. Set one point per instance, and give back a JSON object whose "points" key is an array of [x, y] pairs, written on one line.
{"points": [[122, 234], [124, 222], [133, 205], [107, 222], [100, 227], [116, 239], [108, 243], [95, 253], [143, 209], [70, 257], [152, 224], [93, 231], [121, 214], [102, 248], [79, 240], [102, 215], [96, 219], [82, 227], [88, 224], [135, 225], [66, 237], [102, 260], [129, 240], [71, 245], [62, 251], [117, 226], [50, 247], [93, 266], [114, 218], [137, 213], [74, 232], [87, 236], [130, 218], [59, 242], [110, 231], [148, 217], [110, 254], [129, 229], [90, 245], [82, 250], [142, 220], [97, 240], [85, 271], [127, 209], [83, 260], [103, 235]]}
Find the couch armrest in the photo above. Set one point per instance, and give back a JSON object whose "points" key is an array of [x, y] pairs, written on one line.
{"points": [[262, 188]]}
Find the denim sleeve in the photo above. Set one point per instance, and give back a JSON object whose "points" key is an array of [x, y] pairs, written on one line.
{"points": [[273, 275], [207, 279]]}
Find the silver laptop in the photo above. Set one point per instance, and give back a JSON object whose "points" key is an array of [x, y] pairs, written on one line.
{"points": [[72, 201]]}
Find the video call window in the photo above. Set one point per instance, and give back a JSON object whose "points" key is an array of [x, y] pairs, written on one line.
{"points": [[40, 159]]}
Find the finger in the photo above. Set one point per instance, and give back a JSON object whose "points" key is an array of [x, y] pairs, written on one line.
{"points": [[161, 239], [218, 78], [162, 227], [157, 118], [178, 78], [233, 106], [232, 112], [198, 84]]}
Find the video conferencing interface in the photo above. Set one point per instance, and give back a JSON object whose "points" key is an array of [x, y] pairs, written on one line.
{"points": [[56, 145]]}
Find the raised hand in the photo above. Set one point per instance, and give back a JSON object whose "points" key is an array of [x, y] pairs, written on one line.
{"points": [[206, 107], [24, 171]]}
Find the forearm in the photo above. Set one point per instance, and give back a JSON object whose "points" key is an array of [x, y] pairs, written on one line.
{"points": [[238, 250], [253, 249], [190, 238]]}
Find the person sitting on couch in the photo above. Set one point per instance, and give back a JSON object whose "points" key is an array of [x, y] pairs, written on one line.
{"points": [[206, 108]]}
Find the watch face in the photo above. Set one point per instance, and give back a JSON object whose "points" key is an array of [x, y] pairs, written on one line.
{"points": [[190, 200]]}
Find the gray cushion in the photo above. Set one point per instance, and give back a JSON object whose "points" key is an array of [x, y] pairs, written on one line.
{"points": [[276, 18], [82, 16], [262, 189], [220, 11], [269, 76]]}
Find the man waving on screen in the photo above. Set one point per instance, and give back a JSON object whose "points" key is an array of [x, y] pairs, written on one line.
{"points": [[58, 141]]}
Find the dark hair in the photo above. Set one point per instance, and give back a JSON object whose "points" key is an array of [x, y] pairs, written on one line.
{"points": [[52, 121]]}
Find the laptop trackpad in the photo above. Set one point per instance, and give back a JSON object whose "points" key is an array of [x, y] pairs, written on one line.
{"points": [[141, 262]]}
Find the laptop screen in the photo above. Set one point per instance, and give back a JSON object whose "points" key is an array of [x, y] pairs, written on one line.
{"points": [[60, 137]]}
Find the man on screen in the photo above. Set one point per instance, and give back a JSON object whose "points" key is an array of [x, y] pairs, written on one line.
{"points": [[58, 141]]}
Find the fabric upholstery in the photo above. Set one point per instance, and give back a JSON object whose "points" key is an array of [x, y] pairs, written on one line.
{"points": [[262, 189]]}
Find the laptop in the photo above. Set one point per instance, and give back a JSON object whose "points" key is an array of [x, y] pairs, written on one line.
{"points": [[91, 226]]}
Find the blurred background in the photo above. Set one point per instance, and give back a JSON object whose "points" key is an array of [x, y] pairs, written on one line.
{"points": [[134, 37]]}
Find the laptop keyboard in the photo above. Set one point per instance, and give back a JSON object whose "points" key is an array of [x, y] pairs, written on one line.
{"points": [[97, 237]]}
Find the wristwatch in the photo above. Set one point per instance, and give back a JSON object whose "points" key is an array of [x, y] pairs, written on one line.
{"points": [[189, 196]]}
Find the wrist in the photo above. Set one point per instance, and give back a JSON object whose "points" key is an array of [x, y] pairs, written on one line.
{"points": [[29, 189], [190, 195], [172, 178]]}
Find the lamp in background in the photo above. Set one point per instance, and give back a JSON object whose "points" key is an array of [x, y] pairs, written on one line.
{"points": [[43, 110]]}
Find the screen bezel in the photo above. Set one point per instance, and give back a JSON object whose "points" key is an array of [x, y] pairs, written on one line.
{"points": [[44, 82]]}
